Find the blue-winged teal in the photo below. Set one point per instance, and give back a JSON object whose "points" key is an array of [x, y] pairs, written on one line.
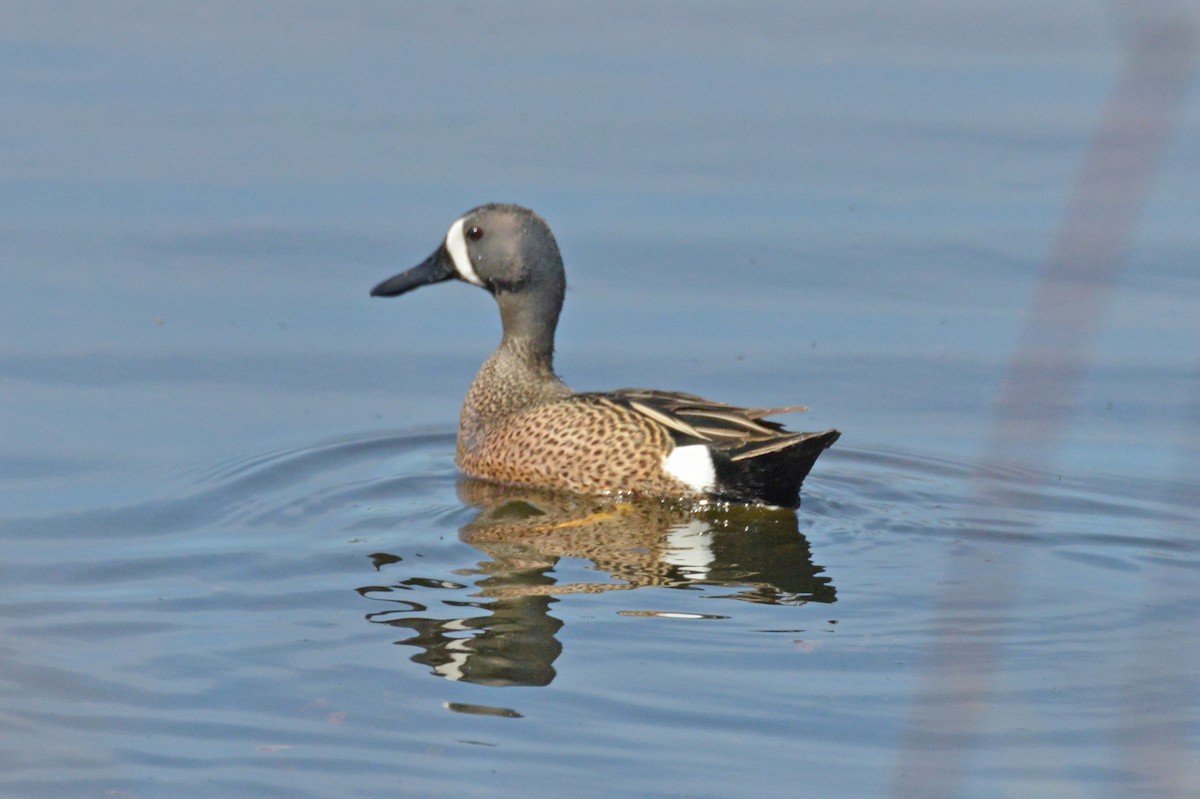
{"points": [[521, 425]]}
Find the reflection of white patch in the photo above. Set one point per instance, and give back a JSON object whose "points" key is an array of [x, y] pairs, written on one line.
{"points": [[457, 247], [690, 548], [459, 652], [693, 466]]}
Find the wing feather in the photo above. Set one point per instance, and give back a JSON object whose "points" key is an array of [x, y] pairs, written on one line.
{"points": [[727, 427]]}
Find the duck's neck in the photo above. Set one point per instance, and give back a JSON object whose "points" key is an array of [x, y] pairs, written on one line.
{"points": [[518, 376], [520, 362], [521, 372], [529, 318]]}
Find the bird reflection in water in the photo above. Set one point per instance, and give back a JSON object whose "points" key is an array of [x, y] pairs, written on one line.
{"points": [[503, 632]]}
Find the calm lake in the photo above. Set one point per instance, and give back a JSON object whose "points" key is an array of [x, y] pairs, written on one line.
{"points": [[236, 559]]}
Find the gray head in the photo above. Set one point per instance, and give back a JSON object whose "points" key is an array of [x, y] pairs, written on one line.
{"points": [[508, 250]]}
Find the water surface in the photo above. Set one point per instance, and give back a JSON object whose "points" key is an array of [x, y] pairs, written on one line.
{"points": [[236, 557]]}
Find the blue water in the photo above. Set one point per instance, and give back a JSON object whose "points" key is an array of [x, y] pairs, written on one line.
{"points": [[236, 559]]}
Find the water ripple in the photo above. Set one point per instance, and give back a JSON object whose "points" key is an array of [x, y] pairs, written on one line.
{"points": [[259, 607]]}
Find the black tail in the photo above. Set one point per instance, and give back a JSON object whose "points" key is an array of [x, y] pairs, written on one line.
{"points": [[773, 477]]}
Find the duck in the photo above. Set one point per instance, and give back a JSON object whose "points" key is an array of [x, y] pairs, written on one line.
{"points": [[521, 425]]}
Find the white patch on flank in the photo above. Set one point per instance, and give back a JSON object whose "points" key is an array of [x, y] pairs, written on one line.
{"points": [[457, 247], [693, 466], [690, 547]]}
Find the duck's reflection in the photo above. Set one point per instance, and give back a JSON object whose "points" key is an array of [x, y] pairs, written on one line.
{"points": [[506, 635]]}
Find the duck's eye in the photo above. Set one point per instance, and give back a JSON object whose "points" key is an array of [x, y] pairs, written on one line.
{"points": [[475, 233]]}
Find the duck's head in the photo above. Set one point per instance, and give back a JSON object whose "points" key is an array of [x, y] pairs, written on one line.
{"points": [[506, 249]]}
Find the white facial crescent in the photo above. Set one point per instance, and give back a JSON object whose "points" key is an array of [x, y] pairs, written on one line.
{"points": [[456, 245]]}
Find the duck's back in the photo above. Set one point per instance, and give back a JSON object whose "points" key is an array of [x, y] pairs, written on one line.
{"points": [[653, 443]]}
